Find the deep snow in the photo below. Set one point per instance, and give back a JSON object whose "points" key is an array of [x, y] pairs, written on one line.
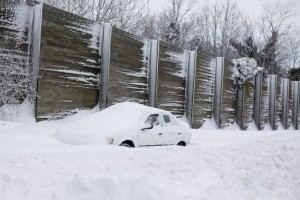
{"points": [[219, 164]]}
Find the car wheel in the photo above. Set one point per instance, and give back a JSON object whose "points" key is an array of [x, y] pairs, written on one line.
{"points": [[181, 144], [124, 144]]}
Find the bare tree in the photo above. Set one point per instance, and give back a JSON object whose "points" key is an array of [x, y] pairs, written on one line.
{"points": [[175, 23], [276, 18], [216, 25]]}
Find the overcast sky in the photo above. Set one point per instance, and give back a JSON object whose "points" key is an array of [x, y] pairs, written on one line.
{"points": [[253, 7]]}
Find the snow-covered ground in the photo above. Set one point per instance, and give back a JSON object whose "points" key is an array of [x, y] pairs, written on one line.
{"points": [[219, 164]]}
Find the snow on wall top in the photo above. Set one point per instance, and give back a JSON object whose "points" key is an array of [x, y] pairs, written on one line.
{"points": [[244, 69]]}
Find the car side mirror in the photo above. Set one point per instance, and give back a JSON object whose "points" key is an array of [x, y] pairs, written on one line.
{"points": [[147, 126]]}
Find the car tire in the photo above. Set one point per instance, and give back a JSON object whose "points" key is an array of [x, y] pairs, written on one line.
{"points": [[124, 144], [181, 144]]}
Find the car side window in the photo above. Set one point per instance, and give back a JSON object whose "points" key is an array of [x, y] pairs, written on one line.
{"points": [[153, 120], [167, 119]]}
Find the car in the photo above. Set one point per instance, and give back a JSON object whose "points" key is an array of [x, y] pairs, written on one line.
{"points": [[127, 124]]}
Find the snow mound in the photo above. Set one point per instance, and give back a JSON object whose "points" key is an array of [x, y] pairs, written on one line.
{"points": [[23, 112], [95, 128], [244, 69]]}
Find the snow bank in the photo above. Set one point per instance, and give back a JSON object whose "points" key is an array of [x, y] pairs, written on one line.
{"points": [[18, 113], [219, 164]]}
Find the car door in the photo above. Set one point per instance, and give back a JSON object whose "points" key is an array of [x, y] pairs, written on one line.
{"points": [[153, 136], [170, 131]]}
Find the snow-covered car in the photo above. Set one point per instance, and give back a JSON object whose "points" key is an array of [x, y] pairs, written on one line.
{"points": [[127, 124]]}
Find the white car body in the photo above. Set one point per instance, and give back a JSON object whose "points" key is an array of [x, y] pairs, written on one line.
{"points": [[126, 122]]}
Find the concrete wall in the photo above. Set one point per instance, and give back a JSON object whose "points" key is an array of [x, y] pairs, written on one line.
{"points": [[286, 103], [69, 64], [128, 69], [264, 102], [224, 94], [245, 104], [261, 100], [171, 79], [204, 87], [274, 101]]}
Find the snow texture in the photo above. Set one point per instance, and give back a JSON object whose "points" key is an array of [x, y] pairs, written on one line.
{"points": [[96, 29], [244, 69], [23, 112], [178, 59]]}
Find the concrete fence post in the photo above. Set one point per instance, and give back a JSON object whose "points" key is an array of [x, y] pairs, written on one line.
{"points": [[240, 90], [105, 64], [36, 34], [219, 72], [272, 100], [152, 72], [257, 99], [295, 107], [190, 84], [285, 102]]}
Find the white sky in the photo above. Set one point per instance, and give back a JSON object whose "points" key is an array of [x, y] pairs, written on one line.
{"points": [[253, 7]]}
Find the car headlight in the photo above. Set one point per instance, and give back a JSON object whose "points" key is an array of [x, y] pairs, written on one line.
{"points": [[110, 140]]}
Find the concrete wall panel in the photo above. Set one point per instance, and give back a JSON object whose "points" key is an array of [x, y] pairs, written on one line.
{"points": [[69, 64]]}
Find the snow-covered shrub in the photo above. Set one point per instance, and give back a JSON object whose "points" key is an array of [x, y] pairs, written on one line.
{"points": [[15, 68], [244, 69]]}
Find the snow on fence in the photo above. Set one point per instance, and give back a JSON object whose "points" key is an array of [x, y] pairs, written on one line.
{"points": [[245, 104], [200, 85], [171, 79], [127, 69], [224, 110], [274, 101], [69, 64], [261, 100]]}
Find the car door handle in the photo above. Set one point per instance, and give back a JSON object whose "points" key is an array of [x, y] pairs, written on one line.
{"points": [[179, 133], [160, 134]]}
